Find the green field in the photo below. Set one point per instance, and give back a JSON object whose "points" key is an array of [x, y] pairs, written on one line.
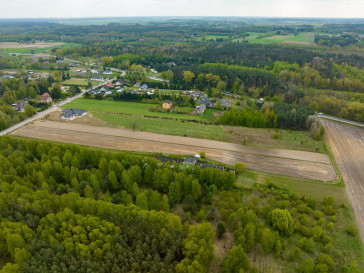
{"points": [[79, 82], [130, 108], [163, 126], [277, 39]]}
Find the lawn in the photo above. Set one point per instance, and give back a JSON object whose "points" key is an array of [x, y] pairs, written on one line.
{"points": [[79, 82], [130, 108], [163, 126]]}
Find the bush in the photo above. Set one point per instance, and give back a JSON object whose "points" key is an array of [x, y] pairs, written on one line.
{"points": [[276, 135], [307, 266], [295, 254], [220, 230], [351, 230], [202, 154], [240, 167]]}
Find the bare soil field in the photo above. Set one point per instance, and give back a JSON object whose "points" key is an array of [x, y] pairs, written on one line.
{"points": [[347, 145], [278, 161], [20, 45]]}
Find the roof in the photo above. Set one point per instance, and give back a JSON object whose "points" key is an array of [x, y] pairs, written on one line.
{"points": [[45, 95], [144, 86], [105, 87], [107, 71], [169, 102], [206, 101], [69, 112], [97, 78], [190, 160], [109, 84]]}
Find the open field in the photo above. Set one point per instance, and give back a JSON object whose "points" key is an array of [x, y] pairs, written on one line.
{"points": [[74, 81], [36, 48], [278, 161], [21, 45], [300, 39], [347, 145], [130, 108]]}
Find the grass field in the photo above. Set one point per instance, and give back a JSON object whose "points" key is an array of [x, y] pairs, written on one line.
{"points": [[162, 126], [79, 82], [131, 108], [303, 38]]}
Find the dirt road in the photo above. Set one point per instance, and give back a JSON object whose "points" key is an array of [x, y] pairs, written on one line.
{"points": [[278, 161], [347, 145]]}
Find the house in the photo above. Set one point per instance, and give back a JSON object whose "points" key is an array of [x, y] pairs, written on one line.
{"points": [[206, 101], [20, 106], [154, 71], [7, 77], [224, 103], [59, 62], [97, 78], [105, 88], [200, 109], [167, 104], [69, 113], [108, 93], [95, 71], [110, 84], [190, 161], [46, 98], [194, 95], [144, 87], [138, 84], [171, 64], [107, 72], [120, 90]]}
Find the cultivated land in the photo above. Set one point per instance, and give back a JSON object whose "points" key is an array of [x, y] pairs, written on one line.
{"points": [[347, 145], [20, 45], [278, 161]]}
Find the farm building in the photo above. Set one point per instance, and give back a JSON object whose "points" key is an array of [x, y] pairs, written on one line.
{"points": [[46, 98], [70, 114], [167, 104]]}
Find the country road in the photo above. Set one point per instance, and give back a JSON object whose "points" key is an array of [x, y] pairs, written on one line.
{"points": [[347, 145], [341, 120], [45, 112]]}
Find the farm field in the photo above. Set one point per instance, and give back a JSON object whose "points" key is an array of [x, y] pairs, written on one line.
{"points": [[130, 108], [304, 38], [347, 145], [278, 161], [36, 48]]}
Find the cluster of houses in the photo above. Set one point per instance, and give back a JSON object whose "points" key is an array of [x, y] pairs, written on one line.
{"points": [[30, 75], [95, 71], [19, 107]]}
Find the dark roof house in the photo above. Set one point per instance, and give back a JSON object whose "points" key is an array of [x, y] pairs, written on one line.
{"points": [[206, 101], [70, 113]]}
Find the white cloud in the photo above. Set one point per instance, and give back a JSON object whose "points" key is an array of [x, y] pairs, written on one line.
{"points": [[105, 8]]}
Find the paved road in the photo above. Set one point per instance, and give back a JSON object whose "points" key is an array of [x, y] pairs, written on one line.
{"points": [[341, 120], [45, 112]]}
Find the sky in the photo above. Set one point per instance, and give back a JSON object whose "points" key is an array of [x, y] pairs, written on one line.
{"points": [[121, 8]]}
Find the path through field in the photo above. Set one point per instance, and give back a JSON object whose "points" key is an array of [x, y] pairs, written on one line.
{"points": [[278, 161], [347, 145]]}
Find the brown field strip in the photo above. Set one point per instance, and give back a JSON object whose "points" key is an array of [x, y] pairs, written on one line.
{"points": [[347, 145], [278, 161]]}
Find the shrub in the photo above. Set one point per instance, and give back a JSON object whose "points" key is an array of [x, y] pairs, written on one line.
{"points": [[283, 221], [295, 254], [307, 266], [220, 230], [240, 167], [276, 135], [203, 154], [351, 230]]}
